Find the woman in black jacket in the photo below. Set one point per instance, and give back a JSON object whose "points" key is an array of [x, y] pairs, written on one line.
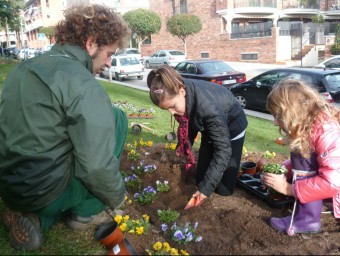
{"points": [[212, 110]]}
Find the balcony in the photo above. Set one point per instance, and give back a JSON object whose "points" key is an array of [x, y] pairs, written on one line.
{"points": [[333, 10], [255, 6], [301, 7]]}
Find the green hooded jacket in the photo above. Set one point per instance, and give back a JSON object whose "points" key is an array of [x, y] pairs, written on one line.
{"points": [[56, 121]]}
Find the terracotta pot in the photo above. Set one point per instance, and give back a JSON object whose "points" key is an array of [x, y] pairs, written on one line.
{"points": [[123, 248], [260, 163], [109, 235], [249, 167], [280, 141], [239, 174]]}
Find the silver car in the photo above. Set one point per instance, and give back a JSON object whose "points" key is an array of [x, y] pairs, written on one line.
{"points": [[333, 63], [164, 57]]}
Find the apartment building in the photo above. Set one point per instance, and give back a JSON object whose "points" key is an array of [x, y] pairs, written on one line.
{"points": [[47, 13], [265, 31], [38, 14]]}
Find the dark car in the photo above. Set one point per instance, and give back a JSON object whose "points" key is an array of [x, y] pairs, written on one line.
{"points": [[215, 71], [253, 93]]}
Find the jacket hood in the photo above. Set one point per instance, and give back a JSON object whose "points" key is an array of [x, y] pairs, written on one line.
{"points": [[75, 52]]}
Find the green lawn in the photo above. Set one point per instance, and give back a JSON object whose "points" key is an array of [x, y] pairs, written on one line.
{"points": [[60, 240]]}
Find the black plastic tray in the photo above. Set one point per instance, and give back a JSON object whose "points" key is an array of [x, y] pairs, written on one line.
{"points": [[253, 184]]}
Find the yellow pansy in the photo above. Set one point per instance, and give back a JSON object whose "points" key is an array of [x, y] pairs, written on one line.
{"points": [[126, 217], [118, 218], [130, 201], [146, 217], [184, 252], [166, 246], [157, 246], [149, 143], [139, 230], [173, 251], [123, 227]]}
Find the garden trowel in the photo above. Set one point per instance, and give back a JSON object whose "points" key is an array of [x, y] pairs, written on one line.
{"points": [[194, 201]]}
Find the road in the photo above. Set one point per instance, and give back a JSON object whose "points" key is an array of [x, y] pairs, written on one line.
{"points": [[250, 69]]}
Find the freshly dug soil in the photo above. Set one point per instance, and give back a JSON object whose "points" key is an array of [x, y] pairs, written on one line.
{"points": [[232, 225]]}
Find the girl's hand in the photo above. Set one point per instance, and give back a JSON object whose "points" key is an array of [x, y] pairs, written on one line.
{"points": [[278, 183]]}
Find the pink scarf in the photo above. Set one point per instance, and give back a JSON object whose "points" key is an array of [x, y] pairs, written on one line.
{"points": [[184, 146]]}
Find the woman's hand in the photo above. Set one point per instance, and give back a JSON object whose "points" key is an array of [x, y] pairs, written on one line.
{"points": [[278, 183], [199, 195]]}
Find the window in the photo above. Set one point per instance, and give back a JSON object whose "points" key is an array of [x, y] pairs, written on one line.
{"points": [[250, 56], [251, 28], [147, 41], [204, 55], [114, 62]]}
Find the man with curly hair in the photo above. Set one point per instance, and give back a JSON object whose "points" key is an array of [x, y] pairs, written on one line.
{"points": [[60, 138]]}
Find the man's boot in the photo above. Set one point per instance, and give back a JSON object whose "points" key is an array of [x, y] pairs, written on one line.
{"points": [[24, 230], [306, 219]]}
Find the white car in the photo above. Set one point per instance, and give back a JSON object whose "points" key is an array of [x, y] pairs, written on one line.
{"points": [[124, 67], [333, 63], [132, 52], [164, 57]]}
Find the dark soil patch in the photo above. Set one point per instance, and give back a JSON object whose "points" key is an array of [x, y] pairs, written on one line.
{"points": [[236, 224]]}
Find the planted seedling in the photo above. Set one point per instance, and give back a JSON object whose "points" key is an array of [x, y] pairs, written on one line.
{"points": [[274, 168]]}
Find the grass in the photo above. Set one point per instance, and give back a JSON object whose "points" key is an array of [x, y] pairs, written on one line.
{"points": [[60, 240]]}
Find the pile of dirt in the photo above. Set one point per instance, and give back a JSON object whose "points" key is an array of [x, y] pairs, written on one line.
{"points": [[236, 224]]}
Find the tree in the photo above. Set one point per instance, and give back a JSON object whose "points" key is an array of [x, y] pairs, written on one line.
{"points": [[10, 15], [335, 48], [48, 31], [143, 23], [183, 25]]}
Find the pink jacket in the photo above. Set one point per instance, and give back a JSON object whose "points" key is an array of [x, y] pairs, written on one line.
{"points": [[326, 141]]}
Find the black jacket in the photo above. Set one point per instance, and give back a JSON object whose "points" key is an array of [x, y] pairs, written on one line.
{"points": [[214, 111]]}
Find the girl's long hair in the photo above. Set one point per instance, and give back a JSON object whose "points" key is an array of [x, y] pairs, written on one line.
{"points": [[164, 83], [298, 105]]}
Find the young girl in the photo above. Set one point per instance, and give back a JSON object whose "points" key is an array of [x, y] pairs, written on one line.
{"points": [[313, 133], [201, 106]]}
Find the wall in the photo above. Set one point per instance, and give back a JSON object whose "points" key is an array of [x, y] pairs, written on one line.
{"points": [[210, 39]]}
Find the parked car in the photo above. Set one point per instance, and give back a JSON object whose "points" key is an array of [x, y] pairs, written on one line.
{"points": [[167, 57], [124, 67], [30, 52], [47, 48], [38, 51], [253, 93], [130, 52], [215, 71], [11, 52], [333, 62], [20, 55]]}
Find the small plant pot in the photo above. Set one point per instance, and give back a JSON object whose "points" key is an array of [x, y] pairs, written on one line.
{"points": [[239, 174], [123, 248], [109, 235], [273, 194], [249, 167]]}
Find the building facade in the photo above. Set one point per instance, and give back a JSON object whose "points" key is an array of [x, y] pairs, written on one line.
{"points": [[265, 31], [47, 13]]}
